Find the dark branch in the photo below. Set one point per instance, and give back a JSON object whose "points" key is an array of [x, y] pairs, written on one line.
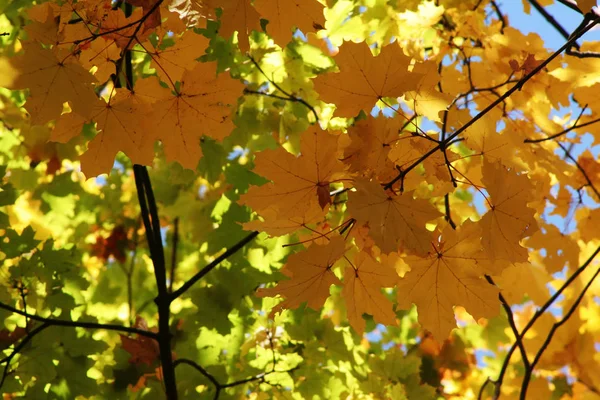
{"points": [[79, 324], [555, 326], [552, 21], [576, 35], [564, 132], [18, 348], [541, 311], [232, 250], [289, 96]]}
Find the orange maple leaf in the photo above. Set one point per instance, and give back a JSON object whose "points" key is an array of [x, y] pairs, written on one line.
{"points": [[509, 219], [123, 30], [363, 280], [143, 350], [52, 77], [310, 276], [8, 338], [283, 15], [239, 16], [395, 221], [364, 79], [202, 106], [119, 122], [102, 54], [170, 63], [298, 184], [527, 67], [275, 224], [447, 277]]}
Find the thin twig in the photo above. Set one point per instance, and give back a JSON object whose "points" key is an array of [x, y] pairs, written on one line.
{"points": [[552, 21], [220, 386], [290, 97], [18, 349], [79, 324], [580, 168], [563, 132], [174, 253], [500, 15], [513, 327], [232, 250]]}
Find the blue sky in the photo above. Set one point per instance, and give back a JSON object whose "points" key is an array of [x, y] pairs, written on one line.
{"points": [[534, 22]]}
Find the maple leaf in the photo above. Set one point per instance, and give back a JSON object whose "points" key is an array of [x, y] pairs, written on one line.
{"points": [[395, 221], [509, 219], [443, 279], [239, 16], [310, 276], [44, 31], [363, 280], [275, 224], [53, 77], [102, 54], [143, 350], [8, 338], [201, 106], [305, 15], [364, 79], [371, 141], [170, 63], [298, 184], [120, 122], [527, 67]]}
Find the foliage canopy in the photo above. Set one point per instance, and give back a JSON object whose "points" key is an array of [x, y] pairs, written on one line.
{"points": [[305, 199]]}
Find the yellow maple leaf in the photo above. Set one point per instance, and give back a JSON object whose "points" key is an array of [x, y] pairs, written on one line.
{"points": [[52, 77], [306, 15], [395, 221], [364, 79], [170, 63], [509, 219], [275, 224], [445, 278], [102, 54], [363, 280], [120, 125], [310, 276], [371, 141], [241, 17]]}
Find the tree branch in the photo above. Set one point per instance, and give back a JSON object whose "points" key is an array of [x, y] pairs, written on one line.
{"points": [[18, 348], [220, 386], [149, 212], [80, 324], [552, 21], [290, 97], [576, 35], [539, 313], [229, 252], [555, 326]]}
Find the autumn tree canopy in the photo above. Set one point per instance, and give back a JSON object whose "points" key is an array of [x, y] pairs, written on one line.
{"points": [[298, 199]]}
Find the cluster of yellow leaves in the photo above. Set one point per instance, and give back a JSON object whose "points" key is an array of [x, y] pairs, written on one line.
{"points": [[381, 204]]}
